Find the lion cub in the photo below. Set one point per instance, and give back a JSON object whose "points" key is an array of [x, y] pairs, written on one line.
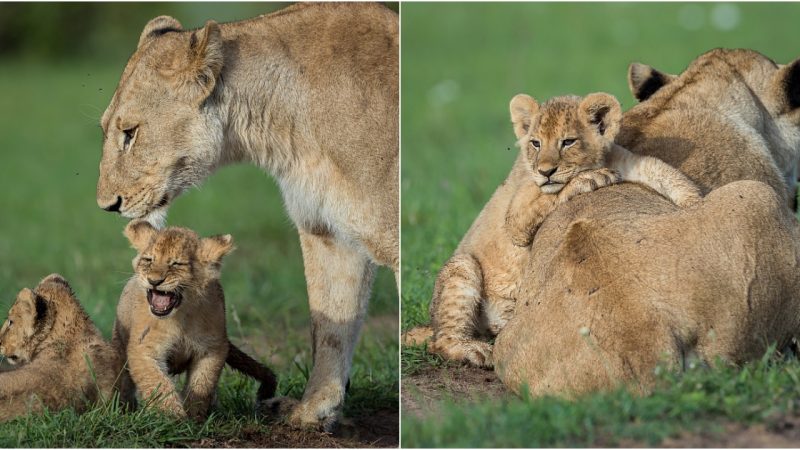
{"points": [[62, 359], [567, 134], [171, 319], [566, 148]]}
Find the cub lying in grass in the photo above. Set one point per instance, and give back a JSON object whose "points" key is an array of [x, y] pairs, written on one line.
{"points": [[63, 360], [171, 319], [567, 148]]}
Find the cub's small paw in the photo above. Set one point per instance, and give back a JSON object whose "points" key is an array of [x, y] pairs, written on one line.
{"points": [[479, 354], [688, 201]]}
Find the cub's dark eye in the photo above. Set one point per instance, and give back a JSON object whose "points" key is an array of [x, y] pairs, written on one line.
{"points": [[146, 259], [130, 135], [567, 142], [536, 144], [10, 322]]}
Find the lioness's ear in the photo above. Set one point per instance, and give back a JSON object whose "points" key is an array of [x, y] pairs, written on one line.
{"points": [[601, 112], [205, 58], [787, 83], [140, 233], [644, 80], [213, 248], [158, 26], [523, 107]]}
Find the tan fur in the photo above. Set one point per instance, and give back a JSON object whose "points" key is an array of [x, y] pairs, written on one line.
{"points": [[623, 280], [318, 110], [474, 294], [63, 359], [192, 336]]}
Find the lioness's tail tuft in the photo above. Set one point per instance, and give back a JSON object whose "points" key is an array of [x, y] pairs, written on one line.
{"points": [[418, 336], [243, 363]]}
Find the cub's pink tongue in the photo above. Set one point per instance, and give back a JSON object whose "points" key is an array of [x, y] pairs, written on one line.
{"points": [[160, 301]]}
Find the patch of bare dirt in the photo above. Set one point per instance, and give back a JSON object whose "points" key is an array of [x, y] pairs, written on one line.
{"points": [[379, 429], [423, 390], [783, 432]]}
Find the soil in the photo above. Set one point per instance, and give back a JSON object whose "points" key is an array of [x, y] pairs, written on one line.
{"points": [[379, 429], [783, 432], [425, 389]]}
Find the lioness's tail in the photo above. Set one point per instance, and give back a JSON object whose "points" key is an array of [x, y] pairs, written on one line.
{"points": [[242, 362], [418, 336]]}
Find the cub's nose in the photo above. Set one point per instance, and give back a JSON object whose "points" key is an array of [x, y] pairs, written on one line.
{"points": [[156, 282], [548, 172], [113, 207]]}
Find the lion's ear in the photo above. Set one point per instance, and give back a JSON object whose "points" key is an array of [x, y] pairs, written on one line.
{"points": [[140, 233], [213, 249], [205, 59], [522, 107], [158, 26], [644, 80], [787, 83], [602, 113], [27, 299]]}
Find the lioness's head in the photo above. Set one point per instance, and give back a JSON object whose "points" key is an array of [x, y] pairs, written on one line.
{"points": [[158, 135], [31, 318], [175, 263], [564, 136], [738, 82]]}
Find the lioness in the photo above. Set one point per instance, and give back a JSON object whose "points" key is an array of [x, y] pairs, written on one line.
{"points": [[171, 319], [719, 280], [63, 359], [566, 148], [310, 94]]}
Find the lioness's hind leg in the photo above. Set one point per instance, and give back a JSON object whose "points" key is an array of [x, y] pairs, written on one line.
{"points": [[455, 310], [339, 279]]}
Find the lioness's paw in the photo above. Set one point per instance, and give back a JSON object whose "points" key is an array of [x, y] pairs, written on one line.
{"points": [[320, 415], [277, 407]]}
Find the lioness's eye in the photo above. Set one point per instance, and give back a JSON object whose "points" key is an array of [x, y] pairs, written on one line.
{"points": [[567, 143], [535, 143], [130, 134]]}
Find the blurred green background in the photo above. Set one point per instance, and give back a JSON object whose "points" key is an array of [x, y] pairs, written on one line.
{"points": [[59, 66], [461, 65]]}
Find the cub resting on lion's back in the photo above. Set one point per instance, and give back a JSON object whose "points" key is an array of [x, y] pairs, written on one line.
{"points": [[50, 337], [567, 148], [171, 319]]}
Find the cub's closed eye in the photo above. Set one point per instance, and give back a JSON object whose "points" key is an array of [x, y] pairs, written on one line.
{"points": [[130, 135], [177, 263], [567, 142]]}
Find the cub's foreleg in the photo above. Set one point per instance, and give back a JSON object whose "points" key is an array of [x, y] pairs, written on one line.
{"points": [[153, 384], [204, 373], [655, 174], [454, 312], [24, 390]]}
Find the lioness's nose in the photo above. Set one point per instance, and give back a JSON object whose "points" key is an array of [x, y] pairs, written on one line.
{"points": [[114, 207], [548, 172]]}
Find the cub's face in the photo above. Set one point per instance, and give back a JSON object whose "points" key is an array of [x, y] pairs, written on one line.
{"points": [[565, 136], [30, 318], [159, 137], [174, 265]]}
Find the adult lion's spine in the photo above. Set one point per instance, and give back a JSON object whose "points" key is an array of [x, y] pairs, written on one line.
{"points": [[243, 363]]}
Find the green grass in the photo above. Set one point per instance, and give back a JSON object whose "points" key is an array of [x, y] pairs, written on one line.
{"points": [[694, 401], [462, 63], [50, 143]]}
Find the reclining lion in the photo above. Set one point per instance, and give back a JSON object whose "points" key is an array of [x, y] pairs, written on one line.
{"points": [[623, 279]]}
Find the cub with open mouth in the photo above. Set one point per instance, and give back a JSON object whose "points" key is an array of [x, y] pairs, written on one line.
{"points": [[171, 320]]}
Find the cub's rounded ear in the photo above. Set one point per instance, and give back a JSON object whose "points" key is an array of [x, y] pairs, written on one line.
{"points": [[140, 233], [787, 85], [213, 249], [57, 279], [644, 80], [158, 26], [523, 107], [601, 112], [27, 298], [205, 58]]}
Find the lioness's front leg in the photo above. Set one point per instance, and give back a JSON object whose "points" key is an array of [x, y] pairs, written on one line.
{"points": [[202, 382], [155, 387], [339, 279]]}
